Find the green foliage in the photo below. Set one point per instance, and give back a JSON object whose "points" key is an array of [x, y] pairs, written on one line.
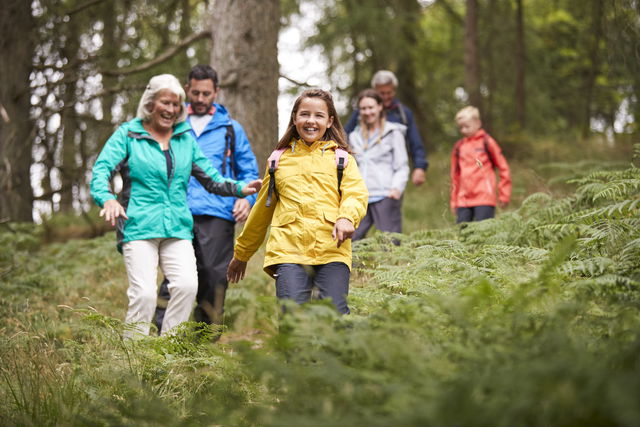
{"points": [[531, 318], [580, 72]]}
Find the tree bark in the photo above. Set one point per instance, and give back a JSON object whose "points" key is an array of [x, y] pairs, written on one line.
{"points": [[471, 56], [407, 74], [16, 49], [597, 30], [69, 125], [489, 48], [520, 90], [245, 36]]}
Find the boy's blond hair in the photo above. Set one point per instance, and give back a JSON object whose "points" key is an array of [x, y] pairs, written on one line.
{"points": [[468, 112]]}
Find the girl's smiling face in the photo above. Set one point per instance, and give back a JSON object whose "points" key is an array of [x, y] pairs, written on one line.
{"points": [[312, 119]]}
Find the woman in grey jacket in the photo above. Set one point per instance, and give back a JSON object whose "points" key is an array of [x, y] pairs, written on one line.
{"points": [[379, 149]]}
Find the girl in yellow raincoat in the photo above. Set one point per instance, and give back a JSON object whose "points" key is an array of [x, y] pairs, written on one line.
{"points": [[312, 213]]}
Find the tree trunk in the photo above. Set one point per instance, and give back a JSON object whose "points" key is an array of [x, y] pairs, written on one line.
{"points": [[245, 55], [69, 125], [16, 49], [520, 91], [597, 12], [471, 56], [490, 55], [408, 91]]}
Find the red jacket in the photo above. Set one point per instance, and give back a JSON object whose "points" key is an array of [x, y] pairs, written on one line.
{"points": [[473, 179]]}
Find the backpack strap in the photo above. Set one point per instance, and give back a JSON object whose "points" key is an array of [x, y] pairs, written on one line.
{"points": [[229, 148], [272, 162], [456, 150], [485, 141], [403, 114], [342, 158]]}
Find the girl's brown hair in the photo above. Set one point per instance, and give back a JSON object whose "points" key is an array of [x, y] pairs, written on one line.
{"points": [[335, 132]]}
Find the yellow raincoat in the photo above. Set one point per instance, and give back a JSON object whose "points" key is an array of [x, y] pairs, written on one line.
{"points": [[305, 210]]}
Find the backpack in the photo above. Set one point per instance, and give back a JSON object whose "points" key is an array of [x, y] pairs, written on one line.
{"points": [[342, 158], [229, 149], [485, 144]]}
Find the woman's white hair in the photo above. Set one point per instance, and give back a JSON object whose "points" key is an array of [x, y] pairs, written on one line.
{"points": [[156, 84]]}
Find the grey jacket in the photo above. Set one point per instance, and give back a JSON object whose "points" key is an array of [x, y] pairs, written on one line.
{"points": [[384, 165]]}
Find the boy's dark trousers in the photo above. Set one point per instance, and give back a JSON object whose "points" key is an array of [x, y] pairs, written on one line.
{"points": [[474, 213], [213, 245]]}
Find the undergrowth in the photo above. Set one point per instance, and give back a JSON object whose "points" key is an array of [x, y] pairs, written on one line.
{"points": [[531, 318]]}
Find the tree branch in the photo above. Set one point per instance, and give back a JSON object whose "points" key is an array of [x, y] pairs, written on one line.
{"points": [[295, 82], [161, 58], [84, 6]]}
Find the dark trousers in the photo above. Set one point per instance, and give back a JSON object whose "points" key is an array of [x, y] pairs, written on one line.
{"points": [[474, 213], [386, 215], [213, 246], [294, 281]]}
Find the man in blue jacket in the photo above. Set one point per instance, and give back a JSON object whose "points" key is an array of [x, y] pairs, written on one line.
{"points": [[224, 142], [386, 83]]}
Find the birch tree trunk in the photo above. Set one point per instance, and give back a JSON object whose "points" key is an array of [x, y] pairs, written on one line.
{"points": [[245, 55]]}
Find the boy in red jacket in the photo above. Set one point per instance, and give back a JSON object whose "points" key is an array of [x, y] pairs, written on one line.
{"points": [[473, 179]]}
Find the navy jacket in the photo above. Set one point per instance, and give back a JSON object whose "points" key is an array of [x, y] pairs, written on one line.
{"points": [[414, 141]]}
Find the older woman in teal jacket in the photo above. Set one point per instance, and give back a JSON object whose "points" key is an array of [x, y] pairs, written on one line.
{"points": [[156, 154]]}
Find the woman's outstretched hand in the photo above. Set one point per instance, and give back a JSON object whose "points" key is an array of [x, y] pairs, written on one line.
{"points": [[235, 271], [342, 230], [112, 210], [252, 187]]}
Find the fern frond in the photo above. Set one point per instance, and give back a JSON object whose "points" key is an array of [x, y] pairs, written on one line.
{"points": [[618, 190], [587, 267], [504, 251], [624, 208]]}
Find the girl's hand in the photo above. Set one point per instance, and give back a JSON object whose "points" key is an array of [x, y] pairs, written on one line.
{"points": [[241, 210], [112, 210], [395, 194], [342, 230], [235, 271], [252, 187]]}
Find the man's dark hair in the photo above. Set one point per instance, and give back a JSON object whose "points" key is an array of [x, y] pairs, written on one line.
{"points": [[203, 72]]}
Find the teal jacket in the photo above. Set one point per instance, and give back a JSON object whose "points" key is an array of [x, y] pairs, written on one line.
{"points": [[155, 202]]}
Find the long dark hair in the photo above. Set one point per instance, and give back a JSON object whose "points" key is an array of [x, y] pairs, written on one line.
{"points": [[335, 132]]}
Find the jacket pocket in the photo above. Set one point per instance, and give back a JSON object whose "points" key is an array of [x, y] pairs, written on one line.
{"points": [[330, 216], [283, 218]]}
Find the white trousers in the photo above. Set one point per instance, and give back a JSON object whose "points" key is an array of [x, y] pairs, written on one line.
{"points": [[178, 263]]}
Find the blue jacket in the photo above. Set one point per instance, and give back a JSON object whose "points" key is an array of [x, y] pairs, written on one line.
{"points": [[415, 147], [242, 166]]}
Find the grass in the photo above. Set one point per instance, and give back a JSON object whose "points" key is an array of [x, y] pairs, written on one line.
{"points": [[528, 319]]}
